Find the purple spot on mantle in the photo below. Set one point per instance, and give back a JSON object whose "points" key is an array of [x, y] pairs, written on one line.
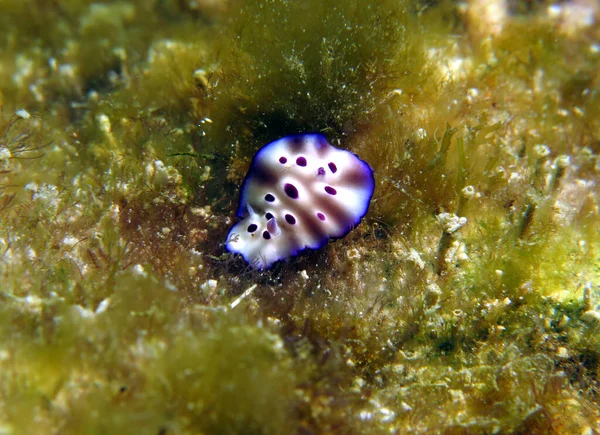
{"points": [[290, 190], [290, 219], [321, 216], [330, 190], [332, 167], [266, 235], [321, 171], [301, 161], [282, 160]]}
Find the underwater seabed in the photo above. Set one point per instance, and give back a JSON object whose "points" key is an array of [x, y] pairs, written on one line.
{"points": [[466, 301]]}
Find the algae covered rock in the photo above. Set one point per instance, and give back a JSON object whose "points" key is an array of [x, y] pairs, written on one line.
{"points": [[466, 301]]}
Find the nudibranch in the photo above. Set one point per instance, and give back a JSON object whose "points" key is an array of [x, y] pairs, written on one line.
{"points": [[300, 191]]}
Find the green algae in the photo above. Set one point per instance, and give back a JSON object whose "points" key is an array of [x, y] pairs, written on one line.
{"points": [[324, 75], [118, 184]]}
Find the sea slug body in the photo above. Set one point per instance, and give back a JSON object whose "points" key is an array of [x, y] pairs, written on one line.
{"points": [[300, 191]]}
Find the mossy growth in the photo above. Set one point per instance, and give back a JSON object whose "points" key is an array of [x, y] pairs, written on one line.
{"points": [[282, 73], [465, 302]]}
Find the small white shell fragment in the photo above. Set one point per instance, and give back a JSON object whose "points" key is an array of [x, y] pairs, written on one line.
{"points": [[209, 285], [23, 114], [138, 269], [469, 192], [450, 222]]}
